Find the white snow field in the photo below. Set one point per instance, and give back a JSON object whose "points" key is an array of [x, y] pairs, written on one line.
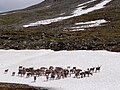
{"points": [[106, 79], [79, 11]]}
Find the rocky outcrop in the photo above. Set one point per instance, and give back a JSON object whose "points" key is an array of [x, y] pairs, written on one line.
{"points": [[12, 86]]}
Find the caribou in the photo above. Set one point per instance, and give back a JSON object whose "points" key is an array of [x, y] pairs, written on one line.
{"points": [[98, 69], [53, 73], [6, 71]]}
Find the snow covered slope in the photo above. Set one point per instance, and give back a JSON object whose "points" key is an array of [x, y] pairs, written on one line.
{"points": [[107, 79], [79, 11]]}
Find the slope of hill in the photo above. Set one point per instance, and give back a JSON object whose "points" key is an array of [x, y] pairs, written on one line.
{"points": [[65, 34]]}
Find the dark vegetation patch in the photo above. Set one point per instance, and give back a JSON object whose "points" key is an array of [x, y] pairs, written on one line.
{"points": [[13, 86]]}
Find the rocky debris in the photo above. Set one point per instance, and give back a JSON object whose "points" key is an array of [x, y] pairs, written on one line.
{"points": [[12, 86]]}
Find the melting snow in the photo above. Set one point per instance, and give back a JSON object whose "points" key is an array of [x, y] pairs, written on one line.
{"points": [[92, 22], [62, 14], [82, 25], [86, 3], [48, 6], [79, 11], [75, 28]]}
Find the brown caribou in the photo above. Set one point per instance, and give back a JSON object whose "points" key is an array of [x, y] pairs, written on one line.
{"points": [[6, 71], [98, 69]]}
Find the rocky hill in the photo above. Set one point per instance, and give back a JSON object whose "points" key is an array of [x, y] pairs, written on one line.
{"points": [[58, 35]]}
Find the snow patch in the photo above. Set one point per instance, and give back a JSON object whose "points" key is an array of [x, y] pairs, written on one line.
{"points": [[75, 28], [48, 6], [83, 25], [101, 5], [62, 14], [86, 3], [107, 79], [92, 22]]}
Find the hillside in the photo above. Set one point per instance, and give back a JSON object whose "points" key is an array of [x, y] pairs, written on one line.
{"points": [[59, 35]]}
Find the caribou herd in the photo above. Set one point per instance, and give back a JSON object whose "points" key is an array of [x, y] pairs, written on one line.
{"points": [[52, 72]]}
